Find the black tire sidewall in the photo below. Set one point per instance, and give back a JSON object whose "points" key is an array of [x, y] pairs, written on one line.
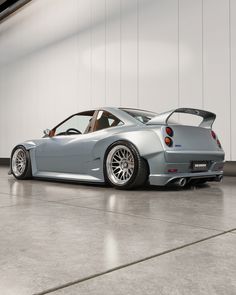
{"points": [[27, 172], [137, 160]]}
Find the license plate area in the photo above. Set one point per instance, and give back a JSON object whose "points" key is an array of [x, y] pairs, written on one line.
{"points": [[199, 166]]}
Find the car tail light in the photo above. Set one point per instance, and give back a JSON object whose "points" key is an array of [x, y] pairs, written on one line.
{"points": [[216, 139], [169, 131], [213, 134], [172, 170], [168, 141]]}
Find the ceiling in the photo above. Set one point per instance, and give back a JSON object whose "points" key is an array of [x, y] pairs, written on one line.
{"points": [[5, 4], [9, 6]]}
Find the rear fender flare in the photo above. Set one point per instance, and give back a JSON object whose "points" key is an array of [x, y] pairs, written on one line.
{"points": [[146, 142]]}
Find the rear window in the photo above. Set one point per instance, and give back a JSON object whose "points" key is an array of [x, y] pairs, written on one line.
{"points": [[142, 116]]}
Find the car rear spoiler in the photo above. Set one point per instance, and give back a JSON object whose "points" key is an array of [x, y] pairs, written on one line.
{"points": [[162, 119]]}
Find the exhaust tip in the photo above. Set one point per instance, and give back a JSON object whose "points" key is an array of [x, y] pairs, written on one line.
{"points": [[219, 178], [181, 182]]}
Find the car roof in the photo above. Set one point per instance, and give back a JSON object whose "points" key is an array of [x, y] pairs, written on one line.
{"points": [[126, 118]]}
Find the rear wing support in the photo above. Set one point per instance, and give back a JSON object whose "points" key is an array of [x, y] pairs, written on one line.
{"points": [[208, 118]]}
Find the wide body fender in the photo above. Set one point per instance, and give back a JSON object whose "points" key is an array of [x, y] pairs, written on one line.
{"points": [[146, 141], [28, 145]]}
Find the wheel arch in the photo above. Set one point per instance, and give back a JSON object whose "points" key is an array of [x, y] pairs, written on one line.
{"points": [[28, 146], [139, 175], [27, 172], [140, 139], [130, 142]]}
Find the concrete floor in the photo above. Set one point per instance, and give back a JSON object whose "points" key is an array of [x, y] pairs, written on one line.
{"points": [[76, 239]]}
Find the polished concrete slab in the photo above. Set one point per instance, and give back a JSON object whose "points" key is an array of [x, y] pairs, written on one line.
{"points": [[56, 234], [201, 269], [206, 206]]}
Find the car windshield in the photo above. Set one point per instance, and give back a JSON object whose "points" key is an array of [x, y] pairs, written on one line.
{"points": [[140, 115]]}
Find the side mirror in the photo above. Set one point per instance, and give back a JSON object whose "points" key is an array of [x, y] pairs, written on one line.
{"points": [[46, 132]]}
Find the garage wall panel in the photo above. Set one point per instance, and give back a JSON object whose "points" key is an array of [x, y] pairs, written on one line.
{"points": [[54, 89], [3, 124], [98, 52], [232, 114], [84, 71], [129, 53], [190, 53], [158, 54], [113, 53], [216, 67], [45, 101]]}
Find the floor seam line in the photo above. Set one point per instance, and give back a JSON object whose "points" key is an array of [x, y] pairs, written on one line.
{"points": [[109, 211], [13, 195], [8, 206], [134, 215], [75, 282]]}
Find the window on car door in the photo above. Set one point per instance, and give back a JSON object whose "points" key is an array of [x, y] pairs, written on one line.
{"points": [[77, 124]]}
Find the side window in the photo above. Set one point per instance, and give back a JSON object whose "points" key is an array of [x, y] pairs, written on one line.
{"points": [[105, 120], [78, 124]]}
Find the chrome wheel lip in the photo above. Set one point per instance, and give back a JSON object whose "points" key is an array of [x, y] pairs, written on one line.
{"points": [[120, 165], [18, 162]]}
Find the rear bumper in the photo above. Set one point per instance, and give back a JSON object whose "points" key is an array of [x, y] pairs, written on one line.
{"points": [[165, 179], [164, 172]]}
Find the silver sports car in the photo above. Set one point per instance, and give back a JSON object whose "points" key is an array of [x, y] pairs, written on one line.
{"points": [[125, 148]]}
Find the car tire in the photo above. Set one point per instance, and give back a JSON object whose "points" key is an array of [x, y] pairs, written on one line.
{"points": [[123, 166], [21, 163]]}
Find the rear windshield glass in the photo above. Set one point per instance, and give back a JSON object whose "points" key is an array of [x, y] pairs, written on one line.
{"points": [[142, 116]]}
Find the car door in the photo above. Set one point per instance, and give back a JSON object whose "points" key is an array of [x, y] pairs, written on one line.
{"points": [[69, 149]]}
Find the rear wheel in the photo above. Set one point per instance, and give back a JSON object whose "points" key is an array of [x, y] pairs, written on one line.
{"points": [[20, 163], [123, 166]]}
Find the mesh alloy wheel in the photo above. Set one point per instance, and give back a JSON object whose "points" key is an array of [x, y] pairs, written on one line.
{"points": [[123, 166], [120, 165], [20, 163]]}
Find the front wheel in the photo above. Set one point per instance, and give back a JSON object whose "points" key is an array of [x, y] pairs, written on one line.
{"points": [[20, 163], [123, 166]]}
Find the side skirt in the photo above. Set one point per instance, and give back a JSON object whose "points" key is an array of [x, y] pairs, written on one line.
{"points": [[68, 177]]}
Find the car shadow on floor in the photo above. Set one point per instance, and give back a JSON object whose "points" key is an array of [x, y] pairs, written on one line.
{"points": [[146, 187]]}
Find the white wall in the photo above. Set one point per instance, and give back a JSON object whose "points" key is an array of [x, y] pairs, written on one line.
{"points": [[58, 57]]}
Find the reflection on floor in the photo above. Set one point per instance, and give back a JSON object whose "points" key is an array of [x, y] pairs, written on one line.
{"points": [[80, 239]]}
